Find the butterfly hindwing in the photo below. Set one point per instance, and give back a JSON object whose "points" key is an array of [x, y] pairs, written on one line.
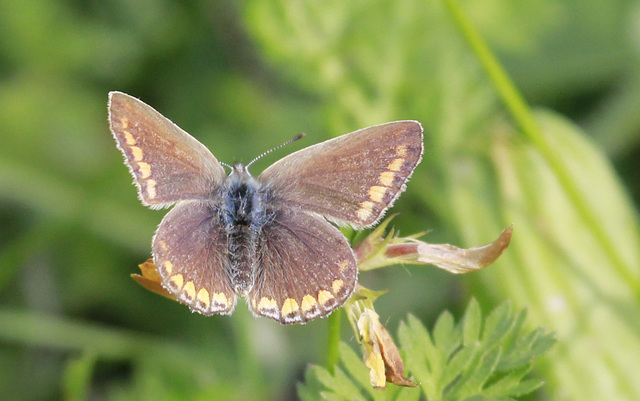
{"points": [[305, 268], [167, 164], [190, 253], [353, 178]]}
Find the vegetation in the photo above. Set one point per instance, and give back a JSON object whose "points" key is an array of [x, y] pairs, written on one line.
{"points": [[245, 76]]}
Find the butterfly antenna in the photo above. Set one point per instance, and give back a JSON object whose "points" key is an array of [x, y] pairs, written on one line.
{"points": [[295, 138]]}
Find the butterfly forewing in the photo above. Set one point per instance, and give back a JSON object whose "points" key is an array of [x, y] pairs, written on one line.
{"points": [[190, 253], [351, 179], [305, 268], [167, 164]]}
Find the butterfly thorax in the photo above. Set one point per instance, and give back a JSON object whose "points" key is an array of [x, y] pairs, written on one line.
{"points": [[244, 216]]}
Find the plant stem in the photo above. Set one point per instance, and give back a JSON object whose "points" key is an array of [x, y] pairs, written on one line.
{"points": [[248, 362], [333, 331], [333, 340], [521, 113], [36, 329]]}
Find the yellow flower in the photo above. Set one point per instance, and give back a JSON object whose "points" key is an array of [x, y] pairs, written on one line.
{"points": [[150, 279]]}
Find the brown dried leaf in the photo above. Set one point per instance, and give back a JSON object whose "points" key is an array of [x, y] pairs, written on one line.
{"points": [[459, 260], [381, 355]]}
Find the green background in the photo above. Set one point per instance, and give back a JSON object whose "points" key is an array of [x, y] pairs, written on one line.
{"points": [[243, 77]]}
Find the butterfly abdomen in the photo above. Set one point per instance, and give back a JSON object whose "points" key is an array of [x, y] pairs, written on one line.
{"points": [[243, 217]]}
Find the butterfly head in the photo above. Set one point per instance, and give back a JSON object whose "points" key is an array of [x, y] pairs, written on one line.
{"points": [[239, 171]]}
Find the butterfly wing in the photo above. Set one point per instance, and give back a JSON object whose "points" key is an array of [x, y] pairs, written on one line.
{"points": [[305, 268], [167, 164], [351, 179], [190, 252]]}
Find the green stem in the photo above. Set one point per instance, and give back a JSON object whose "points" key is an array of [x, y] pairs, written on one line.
{"points": [[56, 332], [333, 340], [522, 114], [333, 334], [244, 334]]}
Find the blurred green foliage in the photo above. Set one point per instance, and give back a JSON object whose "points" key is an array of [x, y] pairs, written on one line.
{"points": [[475, 359], [243, 77]]}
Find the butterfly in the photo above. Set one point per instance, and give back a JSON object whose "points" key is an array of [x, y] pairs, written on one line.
{"points": [[267, 238]]}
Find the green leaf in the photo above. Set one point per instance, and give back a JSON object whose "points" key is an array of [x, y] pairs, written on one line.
{"points": [[425, 360], [469, 371], [77, 376], [544, 342], [498, 325], [521, 354], [471, 323], [354, 367], [443, 372], [516, 330], [508, 383], [461, 362], [475, 380], [340, 384], [311, 387], [526, 387], [350, 383], [445, 334]]}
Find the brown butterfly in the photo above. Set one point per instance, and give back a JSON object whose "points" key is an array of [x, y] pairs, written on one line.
{"points": [[266, 238]]}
